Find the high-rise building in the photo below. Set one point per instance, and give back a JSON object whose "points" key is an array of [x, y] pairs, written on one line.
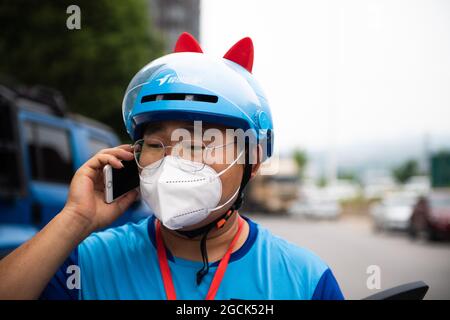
{"points": [[172, 17]]}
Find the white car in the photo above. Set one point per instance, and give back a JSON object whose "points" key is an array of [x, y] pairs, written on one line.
{"points": [[393, 212], [317, 208]]}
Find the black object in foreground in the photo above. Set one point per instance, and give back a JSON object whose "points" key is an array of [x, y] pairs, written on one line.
{"points": [[409, 291]]}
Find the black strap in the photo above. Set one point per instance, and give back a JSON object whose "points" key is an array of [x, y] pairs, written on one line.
{"points": [[202, 230], [205, 268]]}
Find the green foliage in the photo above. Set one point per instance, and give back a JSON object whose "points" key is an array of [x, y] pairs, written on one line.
{"points": [[440, 169], [323, 182], [405, 171], [348, 175], [91, 66], [301, 160]]}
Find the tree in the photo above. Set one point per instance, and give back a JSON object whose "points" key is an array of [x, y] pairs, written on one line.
{"points": [[440, 169], [323, 182], [348, 175], [300, 159], [91, 66], [405, 171]]}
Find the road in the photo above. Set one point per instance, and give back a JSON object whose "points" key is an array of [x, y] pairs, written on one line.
{"points": [[350, 246]]}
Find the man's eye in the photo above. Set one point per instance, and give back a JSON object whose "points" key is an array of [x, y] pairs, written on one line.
{"points": [[153, 145]]}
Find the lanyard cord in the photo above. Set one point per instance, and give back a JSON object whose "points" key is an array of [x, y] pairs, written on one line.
{"points": [[165, 270]]}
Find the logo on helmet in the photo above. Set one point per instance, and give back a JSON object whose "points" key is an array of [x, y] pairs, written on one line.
{"points": [[168, 78]]}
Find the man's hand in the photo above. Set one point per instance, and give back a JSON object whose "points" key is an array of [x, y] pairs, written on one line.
{"points": [[86, 202], [25, 272]]}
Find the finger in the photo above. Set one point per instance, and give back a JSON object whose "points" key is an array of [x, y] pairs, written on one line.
{"points": [[121, 153], [127, 147], [92, 166], [100, 160]]}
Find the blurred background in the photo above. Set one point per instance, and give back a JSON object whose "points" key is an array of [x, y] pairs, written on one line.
{"points": [[360, 97]]}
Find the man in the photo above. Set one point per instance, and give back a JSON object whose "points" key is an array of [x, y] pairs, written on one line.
{"points": [[196, 245]]}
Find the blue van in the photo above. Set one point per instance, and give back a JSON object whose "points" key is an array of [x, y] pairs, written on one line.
{"points": [[41, 146]]}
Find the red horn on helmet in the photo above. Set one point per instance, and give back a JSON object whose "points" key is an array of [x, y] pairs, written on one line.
{"points": [[187, 43], [242, 53]]}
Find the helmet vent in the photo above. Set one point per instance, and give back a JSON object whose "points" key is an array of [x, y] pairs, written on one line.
{"points": [[180, 96]]}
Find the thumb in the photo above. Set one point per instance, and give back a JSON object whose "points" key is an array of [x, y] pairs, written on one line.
{"points": [[126, 200]]}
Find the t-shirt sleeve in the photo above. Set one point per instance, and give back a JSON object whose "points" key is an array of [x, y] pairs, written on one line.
{"points": [[57, 288], [327, 288]]}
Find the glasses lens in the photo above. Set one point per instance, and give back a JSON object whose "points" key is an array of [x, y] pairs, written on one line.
{"points": [[149, 153], [221, 154]]}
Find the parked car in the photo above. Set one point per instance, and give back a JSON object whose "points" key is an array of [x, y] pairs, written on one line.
{"points": [[394, 211], [431, 216], [317, 208], [41, 146]]}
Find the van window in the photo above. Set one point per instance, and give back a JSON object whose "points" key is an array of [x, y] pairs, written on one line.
{"points": [[11, 171], [49, 153], [95, 145]]}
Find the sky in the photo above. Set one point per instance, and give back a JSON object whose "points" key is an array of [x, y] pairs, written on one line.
{"points": [[339, 73]]}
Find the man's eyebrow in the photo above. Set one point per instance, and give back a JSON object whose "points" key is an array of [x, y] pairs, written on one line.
{"points": [[152, 128]]}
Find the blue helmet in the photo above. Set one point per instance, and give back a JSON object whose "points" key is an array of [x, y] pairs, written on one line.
{"points": [[189, 85]]}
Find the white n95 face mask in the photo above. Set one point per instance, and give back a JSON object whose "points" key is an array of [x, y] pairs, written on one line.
{"points": [[181, 198]]}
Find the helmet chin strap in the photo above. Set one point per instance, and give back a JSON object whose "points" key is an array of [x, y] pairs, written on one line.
{"points": [[220, 221], [198, 231]]}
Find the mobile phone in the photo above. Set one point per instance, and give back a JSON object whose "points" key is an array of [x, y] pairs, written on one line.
{"points": [[120, 181]]}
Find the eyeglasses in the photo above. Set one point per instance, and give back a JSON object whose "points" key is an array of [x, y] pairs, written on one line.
{"points": [[149, 153]]}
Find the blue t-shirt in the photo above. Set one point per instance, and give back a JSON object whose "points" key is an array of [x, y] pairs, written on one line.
{"points": [[122, 263]]}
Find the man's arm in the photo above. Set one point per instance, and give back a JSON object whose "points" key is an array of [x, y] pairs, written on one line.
{"points": [[25, 272]]}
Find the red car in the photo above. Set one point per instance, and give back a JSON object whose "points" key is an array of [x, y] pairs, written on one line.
{"points": [[431, 216]]}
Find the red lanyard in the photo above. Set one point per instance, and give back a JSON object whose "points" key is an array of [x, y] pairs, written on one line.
{"points": [[165, 270]]}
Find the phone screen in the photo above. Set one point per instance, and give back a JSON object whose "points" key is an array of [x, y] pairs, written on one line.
{"points": [[125, 179]]}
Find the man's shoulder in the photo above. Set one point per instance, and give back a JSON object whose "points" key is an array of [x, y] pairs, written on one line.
{"points": [[132, 236], [293, 264], [285, 250], [298, 263]]}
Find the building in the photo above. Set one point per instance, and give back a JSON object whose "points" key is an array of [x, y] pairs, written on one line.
{"points": [[172, 17]]}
